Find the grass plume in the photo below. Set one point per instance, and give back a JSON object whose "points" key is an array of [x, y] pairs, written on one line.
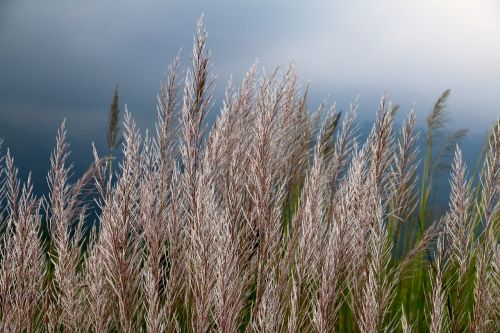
{"points": [[273, 219]]}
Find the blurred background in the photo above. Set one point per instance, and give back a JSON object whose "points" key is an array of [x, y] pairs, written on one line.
{"points": [[61, 59]]}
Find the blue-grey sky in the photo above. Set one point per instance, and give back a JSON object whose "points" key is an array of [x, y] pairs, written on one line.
{"points": [[61, 58]]}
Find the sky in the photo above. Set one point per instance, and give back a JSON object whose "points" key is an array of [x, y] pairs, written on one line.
{"points": [[62, 58]]}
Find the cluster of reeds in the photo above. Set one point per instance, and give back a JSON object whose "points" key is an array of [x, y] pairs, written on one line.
{"points": [[277, 219]]}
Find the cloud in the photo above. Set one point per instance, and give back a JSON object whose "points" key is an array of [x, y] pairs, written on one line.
{"points": [[413, 47], [67, 55]]}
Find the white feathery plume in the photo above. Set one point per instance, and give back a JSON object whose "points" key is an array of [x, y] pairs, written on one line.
{"points": [[459, 231], [486, 290], [404, 171], [121, 234], [23, 266], [437, 298]]}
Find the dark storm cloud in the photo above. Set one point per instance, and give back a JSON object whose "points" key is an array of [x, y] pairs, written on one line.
{"points": [[65, 54]]}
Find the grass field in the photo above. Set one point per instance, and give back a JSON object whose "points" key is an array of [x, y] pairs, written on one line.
{"points": [[276, 219]]}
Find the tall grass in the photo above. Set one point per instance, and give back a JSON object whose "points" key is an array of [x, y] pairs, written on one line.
{"points": [[274, 219]]}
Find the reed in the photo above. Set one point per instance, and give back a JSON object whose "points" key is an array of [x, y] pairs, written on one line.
{"points": [[271, 219]]}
